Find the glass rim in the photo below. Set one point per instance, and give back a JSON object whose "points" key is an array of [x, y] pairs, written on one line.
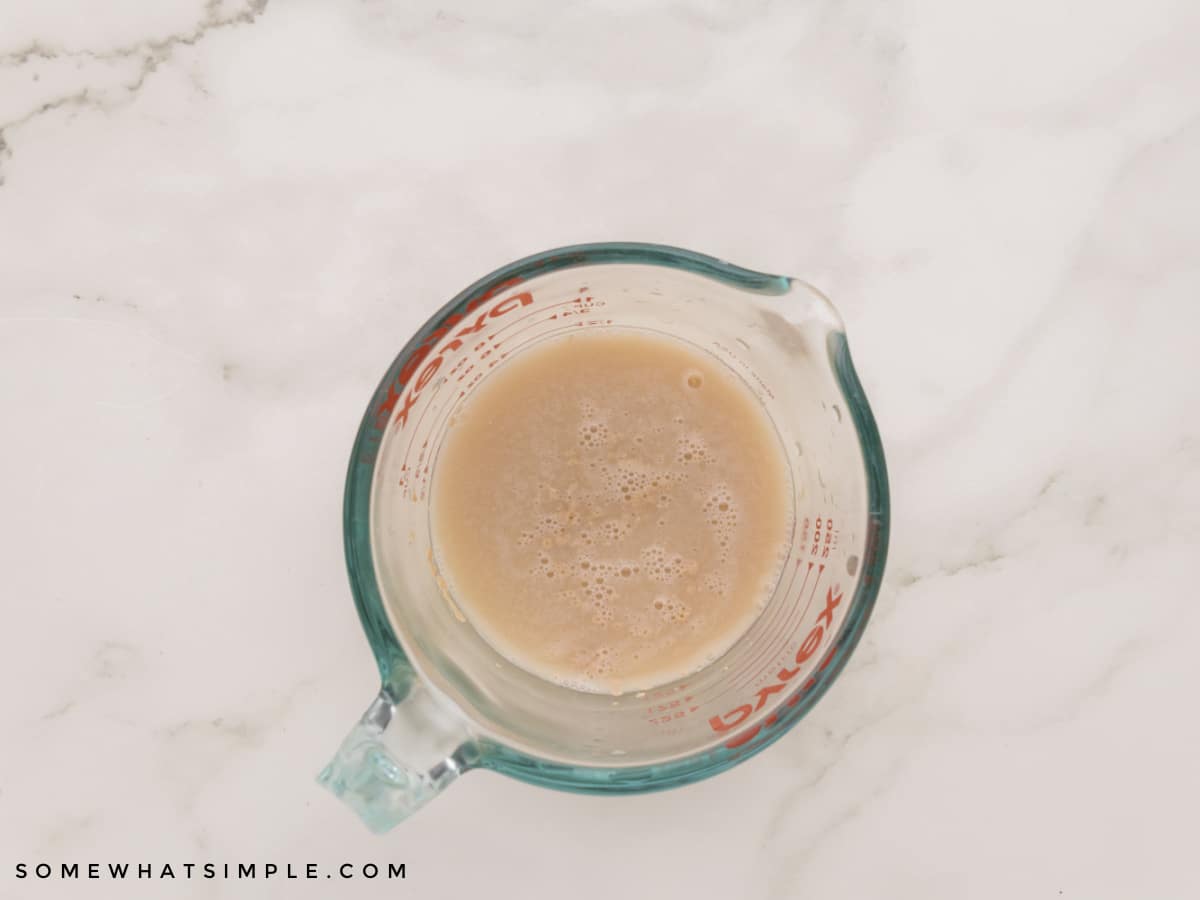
{"points": [[394, 666]]}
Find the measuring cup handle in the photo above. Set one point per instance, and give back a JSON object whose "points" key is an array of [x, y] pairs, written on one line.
{"points": [[404, 751]]}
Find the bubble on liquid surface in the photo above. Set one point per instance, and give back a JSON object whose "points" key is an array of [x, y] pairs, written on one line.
{"points": [[593, 434], [671, 609], [692, 449], [716, 582], [601, 663], [610, 482], [615, 529]]}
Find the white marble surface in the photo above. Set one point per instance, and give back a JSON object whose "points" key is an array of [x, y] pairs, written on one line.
{"points": [[218, 223]]}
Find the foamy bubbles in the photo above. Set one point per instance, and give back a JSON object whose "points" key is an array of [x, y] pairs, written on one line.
{"points": [[614, 529], [692, 449], [671, 609], [593, 434], [550, 523], [716, 583], [609, 513], [721, 514], [601, 663], [664, 567], [545, 567], [632, 483]]}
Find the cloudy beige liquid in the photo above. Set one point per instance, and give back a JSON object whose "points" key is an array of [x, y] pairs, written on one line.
{"points": [[610, 510]]}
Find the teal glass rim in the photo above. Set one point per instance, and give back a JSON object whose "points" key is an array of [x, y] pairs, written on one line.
{"points": [[394, 667]]}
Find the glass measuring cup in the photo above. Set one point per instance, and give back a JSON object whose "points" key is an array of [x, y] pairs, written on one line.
{"points": [[449, 702]]}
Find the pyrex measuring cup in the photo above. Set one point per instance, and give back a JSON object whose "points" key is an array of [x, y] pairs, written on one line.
{"points": [[449, 702]]}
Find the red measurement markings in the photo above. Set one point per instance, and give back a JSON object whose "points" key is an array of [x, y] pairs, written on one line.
{"points": [[831, 538], [657, 696], [438, 429], [666, 713], [531, 314], [501, 356], [518, 321], [824, 539], [807, 650], [576, 307], [490, 350], [579, 307], [403, 392]]}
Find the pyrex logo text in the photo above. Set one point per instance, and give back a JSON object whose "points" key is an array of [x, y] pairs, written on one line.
{"points": [[808, 648], [388, 405]]}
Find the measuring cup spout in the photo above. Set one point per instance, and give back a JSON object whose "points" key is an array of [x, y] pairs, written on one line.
{"points": [[404, 751]]}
